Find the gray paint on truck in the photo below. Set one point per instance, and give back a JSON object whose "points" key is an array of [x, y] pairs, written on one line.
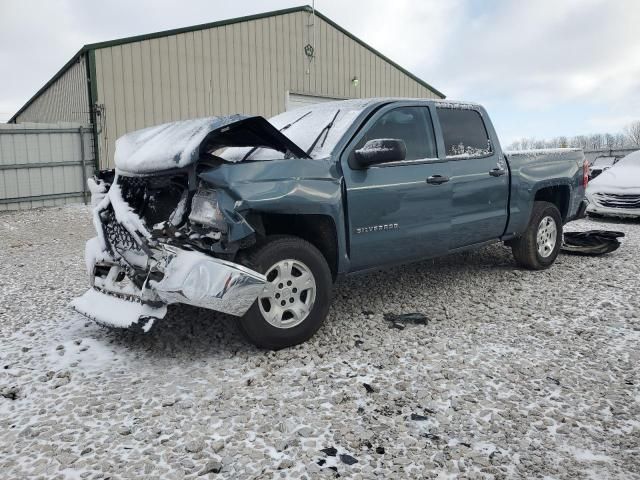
{"points": [[390, 214]]}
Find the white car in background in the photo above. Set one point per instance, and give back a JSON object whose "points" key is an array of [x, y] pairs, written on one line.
{"points": [[616, 191]]}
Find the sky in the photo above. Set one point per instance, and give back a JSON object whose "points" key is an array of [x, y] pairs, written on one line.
{"points": [[542, 68]]}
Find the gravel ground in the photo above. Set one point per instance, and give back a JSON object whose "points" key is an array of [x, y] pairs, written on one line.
{"points": [[515, 374]]}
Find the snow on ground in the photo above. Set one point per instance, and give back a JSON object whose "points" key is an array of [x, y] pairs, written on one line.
{"points": [[516, 374]]}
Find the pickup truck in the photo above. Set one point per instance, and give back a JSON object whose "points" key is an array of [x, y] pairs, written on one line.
{"points": [[257, 219]]}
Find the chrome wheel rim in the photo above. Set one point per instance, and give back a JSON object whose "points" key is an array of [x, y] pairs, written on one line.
{"points": [[289, 295], [547, 236]]}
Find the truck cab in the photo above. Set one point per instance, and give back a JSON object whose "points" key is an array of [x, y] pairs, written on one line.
{"points": [[448, 192]]}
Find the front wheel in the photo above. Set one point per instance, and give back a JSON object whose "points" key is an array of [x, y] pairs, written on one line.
{"points": [[539, 245], [296, 298]]}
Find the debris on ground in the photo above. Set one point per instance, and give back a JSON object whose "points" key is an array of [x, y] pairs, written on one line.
{"points": [[348, 459], [330, 451], [591, 242], [368, 388], [400, 320], [418, 418]]}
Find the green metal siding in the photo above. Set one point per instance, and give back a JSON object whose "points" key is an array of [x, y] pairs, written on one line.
{"points": [[245, 67], [64, 100]]}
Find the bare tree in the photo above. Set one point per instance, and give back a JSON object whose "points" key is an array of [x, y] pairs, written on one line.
{"points": [[633, 132], [514, 145], [580, 141], [594, 141], [621, 140], [609, 140]]}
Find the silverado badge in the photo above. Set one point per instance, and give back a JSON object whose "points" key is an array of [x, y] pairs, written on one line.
{"points": [[377, 228]]}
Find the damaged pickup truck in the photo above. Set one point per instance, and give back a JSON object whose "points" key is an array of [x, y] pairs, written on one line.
{"points": [[257, 218]]}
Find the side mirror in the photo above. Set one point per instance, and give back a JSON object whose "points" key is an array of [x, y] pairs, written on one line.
{"points": [[380, 150]]}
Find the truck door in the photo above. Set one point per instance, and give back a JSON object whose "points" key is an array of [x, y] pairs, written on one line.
{"points": [[399, 210], [479, 177]]}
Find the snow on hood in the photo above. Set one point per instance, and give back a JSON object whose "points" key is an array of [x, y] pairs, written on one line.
{"points": [[622, 176], [166, 146]]}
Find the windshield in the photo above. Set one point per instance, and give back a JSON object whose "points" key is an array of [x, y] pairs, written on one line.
{"points": [[302, 126]]}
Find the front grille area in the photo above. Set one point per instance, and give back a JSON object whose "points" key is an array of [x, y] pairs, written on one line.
{"points": [[153, 199], [611, 200], [118, 238]]}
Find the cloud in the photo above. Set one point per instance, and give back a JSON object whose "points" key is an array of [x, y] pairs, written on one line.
{"points": [[553, 59]]}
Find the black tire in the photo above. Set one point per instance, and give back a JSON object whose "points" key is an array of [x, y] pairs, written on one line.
{"points": [[525, 248], [261, 258]]}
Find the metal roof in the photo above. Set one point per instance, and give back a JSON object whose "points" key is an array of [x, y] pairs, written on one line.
{"points": [[203, 26]]}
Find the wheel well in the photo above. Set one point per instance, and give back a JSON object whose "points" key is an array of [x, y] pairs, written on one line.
{"points": [[558, 195], [319, 230]]}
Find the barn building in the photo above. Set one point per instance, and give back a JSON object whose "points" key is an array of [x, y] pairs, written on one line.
{"points": [[260, 64]]}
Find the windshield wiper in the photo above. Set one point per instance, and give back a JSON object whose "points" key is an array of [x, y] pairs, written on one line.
{"points": [[252, 151], [325, 132], [294, 122]]}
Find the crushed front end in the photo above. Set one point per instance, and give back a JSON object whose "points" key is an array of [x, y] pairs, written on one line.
{"points": [[162, 239]]}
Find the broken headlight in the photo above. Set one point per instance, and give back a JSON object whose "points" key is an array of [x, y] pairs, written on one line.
{"points": [[205, 210]]}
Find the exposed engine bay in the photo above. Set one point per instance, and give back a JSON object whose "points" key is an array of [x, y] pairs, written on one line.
{"points": [[171, 210]]}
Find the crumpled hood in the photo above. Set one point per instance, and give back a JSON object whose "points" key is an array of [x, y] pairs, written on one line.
{"points": [[178, 144], [166, 146]]}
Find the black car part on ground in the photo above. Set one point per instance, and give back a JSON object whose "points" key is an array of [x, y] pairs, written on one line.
{"points": [[592, 242]]}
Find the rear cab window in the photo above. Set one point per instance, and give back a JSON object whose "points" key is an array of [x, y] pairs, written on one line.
{"points": [[464, 133]]}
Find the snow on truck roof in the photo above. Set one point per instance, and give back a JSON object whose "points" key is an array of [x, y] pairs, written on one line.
{"points": [[303, 125], [176, 144]]}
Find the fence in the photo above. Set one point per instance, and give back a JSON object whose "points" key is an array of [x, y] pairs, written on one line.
{"points": [[44, 164], [593, 155]]}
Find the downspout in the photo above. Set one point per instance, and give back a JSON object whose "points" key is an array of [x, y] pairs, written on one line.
{"points": [[92, 87]]}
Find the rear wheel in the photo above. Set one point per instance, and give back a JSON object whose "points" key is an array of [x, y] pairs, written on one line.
{"points": [[539, 245], [296, 298]]}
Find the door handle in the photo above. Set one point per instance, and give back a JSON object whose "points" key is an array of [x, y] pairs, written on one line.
{"points": [[497, 172], [437, 179]]}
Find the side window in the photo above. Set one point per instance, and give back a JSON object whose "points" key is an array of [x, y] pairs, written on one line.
{"points": [[412, 125], [464, 133]]}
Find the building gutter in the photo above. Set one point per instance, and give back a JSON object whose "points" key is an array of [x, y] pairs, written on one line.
{"points": [[92, 87]]}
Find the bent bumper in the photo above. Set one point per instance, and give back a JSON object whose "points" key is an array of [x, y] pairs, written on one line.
{"points": [[203, 281], [613, 212], [186, 276], [112, 311]]}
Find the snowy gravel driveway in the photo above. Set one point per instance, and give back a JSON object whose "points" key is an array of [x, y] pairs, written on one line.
{"points": [[515, 374]]}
